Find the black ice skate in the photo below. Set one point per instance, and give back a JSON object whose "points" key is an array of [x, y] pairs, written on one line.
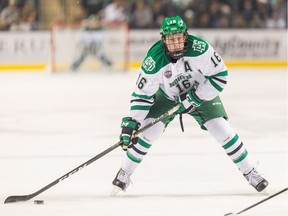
{"points": [[121, 182], [256, 180]]}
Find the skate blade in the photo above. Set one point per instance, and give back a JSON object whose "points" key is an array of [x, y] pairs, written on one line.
{"points": [[115, 191]]}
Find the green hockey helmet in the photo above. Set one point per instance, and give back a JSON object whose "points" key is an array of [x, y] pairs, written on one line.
{"points": [[171, 26]]}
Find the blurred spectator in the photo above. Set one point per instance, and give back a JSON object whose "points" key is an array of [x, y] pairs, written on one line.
{"points": [[214, 13], [275, 21], [239, 22], [190, 18], [196, 13], [247, 8], [115, 11], [79, 13], [9, 15], [225, 9], [188, 12], [93, 6], [262, 9], [27, 19], [224, 22], [158, 13], [233, 4], [278, 16], [280, 6], [142, 15], [256, 21], [204, 21], [3, 4]]}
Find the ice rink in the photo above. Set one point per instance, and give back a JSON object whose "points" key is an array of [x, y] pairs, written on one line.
{"points": [[50, 124]]}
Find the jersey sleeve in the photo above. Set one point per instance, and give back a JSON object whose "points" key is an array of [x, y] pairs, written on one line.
{"points": [[215, 73], [143, 96], [148, 82]]}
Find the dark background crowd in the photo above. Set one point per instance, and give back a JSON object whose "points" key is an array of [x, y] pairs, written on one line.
{"points": [[146, 14]]}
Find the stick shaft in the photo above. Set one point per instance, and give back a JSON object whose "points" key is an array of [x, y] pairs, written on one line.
{"points": [[18, 198], [264, 200]]}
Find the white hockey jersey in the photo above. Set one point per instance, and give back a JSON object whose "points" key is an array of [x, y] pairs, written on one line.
{"points": [[201, 69]]}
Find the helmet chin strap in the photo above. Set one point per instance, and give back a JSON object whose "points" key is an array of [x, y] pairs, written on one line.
{"points": [[177, 55], [173, 56]]}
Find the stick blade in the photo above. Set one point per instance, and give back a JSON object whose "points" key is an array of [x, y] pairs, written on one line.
{"points": [[12, 199]]}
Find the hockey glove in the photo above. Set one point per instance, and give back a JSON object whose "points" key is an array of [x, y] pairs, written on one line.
{"points": [[129, 127], [188, 101]]}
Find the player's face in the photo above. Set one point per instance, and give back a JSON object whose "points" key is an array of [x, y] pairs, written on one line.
{"points": [[175, 42]]}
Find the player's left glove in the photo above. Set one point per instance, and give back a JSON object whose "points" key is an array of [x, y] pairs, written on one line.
{"points": [[129, 127], [188, 101]]}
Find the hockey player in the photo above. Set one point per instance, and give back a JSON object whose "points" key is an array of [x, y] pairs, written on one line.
{"points": [[89, 43], [180, 68]]}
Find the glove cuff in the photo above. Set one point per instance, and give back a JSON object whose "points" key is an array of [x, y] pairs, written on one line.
{"points": [[193, 98]]}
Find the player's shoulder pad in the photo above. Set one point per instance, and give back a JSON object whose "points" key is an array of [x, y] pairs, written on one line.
{"points": [[196, 46], [155, 59]]}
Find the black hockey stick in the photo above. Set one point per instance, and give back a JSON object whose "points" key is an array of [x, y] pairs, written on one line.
{"points": [[19, 198], [252, 206]]}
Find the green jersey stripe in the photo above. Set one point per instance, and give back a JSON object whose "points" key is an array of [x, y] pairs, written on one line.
{"points": [[215, 85], [142, 96], [223, 73], [140, 107]]}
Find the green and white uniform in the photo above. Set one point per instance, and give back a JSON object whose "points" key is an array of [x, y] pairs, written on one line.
{"points": [[201, 69], [183, 69], [89, 44], [160, 84]]}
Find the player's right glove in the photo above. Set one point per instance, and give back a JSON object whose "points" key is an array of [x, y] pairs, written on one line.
{"points": [[129, 127]]}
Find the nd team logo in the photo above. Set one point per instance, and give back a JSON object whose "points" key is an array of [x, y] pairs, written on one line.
{"points": [[198, 46], [149, 64]]}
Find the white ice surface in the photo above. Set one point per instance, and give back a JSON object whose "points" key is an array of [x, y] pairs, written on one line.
{"points": [[50, 124]]}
